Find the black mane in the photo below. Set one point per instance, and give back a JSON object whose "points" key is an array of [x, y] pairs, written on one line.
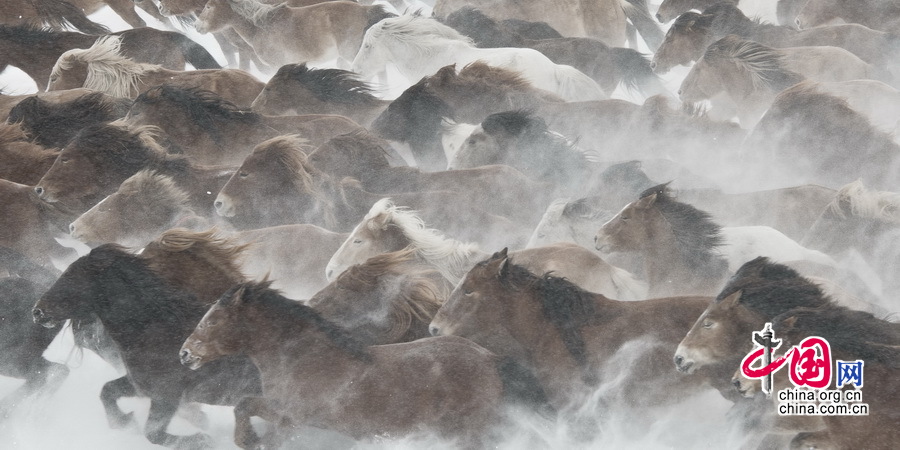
{"points": [[415, 116], [261, 293], [772, 288], [205, 108], [329, 85], [55, 124], [485, 31], [29, 35]]}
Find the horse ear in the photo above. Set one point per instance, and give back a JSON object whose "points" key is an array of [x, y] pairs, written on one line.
{"points": [[379, 222], [445, 73], [787, 324], [732, 300], [646, 202]]}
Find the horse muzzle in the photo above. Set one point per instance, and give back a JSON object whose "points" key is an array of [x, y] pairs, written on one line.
{"points": [[190, 360], [224, 206], [43, 319], [683, 364]]}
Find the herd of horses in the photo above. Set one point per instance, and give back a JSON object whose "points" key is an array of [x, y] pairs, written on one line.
{"points": [[508, 244]]}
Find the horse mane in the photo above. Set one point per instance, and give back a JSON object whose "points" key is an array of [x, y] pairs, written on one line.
{"points": [[350, 145], [12, 132], [549, 148], [29, 34], [471, 21], [481, 72], [107, 70], [452, 258], [419, 298], [692, 21], [207, 245], [53, 124], [329, 85], [771, 288], [261, 293], [865, 203], [420, 34], [726, 18], [116, 144], [858, 333], [763, 66], [161, 188], [696, 235], [563, 303], [259, 14], [205, 108]]}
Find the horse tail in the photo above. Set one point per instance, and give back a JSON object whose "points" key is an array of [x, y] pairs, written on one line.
{"points": [[639, 14], [627, 285], [635, 72], [195, 53], [376, 14], [574, 85], [60, 14], [521, 387]]}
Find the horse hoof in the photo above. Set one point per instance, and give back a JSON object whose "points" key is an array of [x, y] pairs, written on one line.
{"points": [[120, 421]]}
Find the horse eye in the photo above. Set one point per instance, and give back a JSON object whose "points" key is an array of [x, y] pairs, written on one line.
{"points": [[467, 292], [625, 218], [707, 324], [357, 241], [243, 174], [64, 159]]}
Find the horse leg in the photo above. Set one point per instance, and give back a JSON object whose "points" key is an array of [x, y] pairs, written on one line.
{"points": [[244, 434], [228, 49], [631, 35], [125, 10], [109, 394], [193, 414], [46, 376], [161, 413]]}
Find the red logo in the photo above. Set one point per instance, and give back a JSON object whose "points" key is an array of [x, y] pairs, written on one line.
{"points": [[810, 361]]}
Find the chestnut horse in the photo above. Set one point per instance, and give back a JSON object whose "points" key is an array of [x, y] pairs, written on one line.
{"points": [[148, 321], [298, 89], [387, 299], [212, 130], [573, 340], [103, 68], [445, 385]]}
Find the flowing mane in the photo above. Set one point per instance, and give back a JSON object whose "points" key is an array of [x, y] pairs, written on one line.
{"points": [[480, 71], [259, 14], [207, 245], [329, 85], [764, 66], [862, 202], [696, 235], [160, 188], [12, 132], [54, 124], [106, 142], [206, 109], [772, 288], [107, 70], [28, 34], [420, 34], [451, 257], [261, 295]]}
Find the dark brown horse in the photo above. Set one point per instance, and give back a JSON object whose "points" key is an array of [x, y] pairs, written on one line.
{"points": [[35, 50], [57, 14], [212, 130], [54, 124], [148, 319], [298, 89], [390, 298], [101, 157], [569, 337], [446, 385], [22, 161]]}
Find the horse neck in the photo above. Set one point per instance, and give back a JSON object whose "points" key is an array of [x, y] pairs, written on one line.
{"points": [[663, 263]]}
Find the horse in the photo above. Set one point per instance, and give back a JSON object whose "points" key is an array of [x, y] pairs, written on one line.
{"points": [[680, 243], [100, 157], [148, 320], [22, 161], [56, 14], [276, 185], [30, 225], [816, 144], [877, 15], [520, 139], [419, 46], [7, 102], [603, 20], [298, 89], [572, 339], [212, 130], [692, 33], [608, 66], [670, 9], [756, 73], [445, 385], [388, 299], [315, 33], [389, 228], [102, 68], [54, 124], [35, 50]]}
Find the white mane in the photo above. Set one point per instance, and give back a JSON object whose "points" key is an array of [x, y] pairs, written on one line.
{"points": [[450, 257], [879, 205], [257, 13], [419, 33], [107, 70]]}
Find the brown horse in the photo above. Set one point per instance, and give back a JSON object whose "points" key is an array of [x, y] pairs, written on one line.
{"points": [[212, 130], [148, 320], [54, 124], [29, 225], [7, 102], [276, 184], [445, 385], [102, 68], [101, 157], [315, 33], [571, 338], [56, 14], [22, 161], [692, 33], [390, 298], [35, 50], [297, 89]]}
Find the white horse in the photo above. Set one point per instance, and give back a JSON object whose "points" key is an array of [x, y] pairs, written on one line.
{"points": [[387, 227], [419, 46]]}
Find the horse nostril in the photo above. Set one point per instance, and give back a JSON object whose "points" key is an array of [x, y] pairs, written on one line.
{"points": [[329, 273], [736, 383], [72, 228], [680, 92], [659, 18], [37, 313], [797, 21], [679, 360], [595, 240], [652, 65], [39, 190], [185, 354], [433, 330], [218, 204]]}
